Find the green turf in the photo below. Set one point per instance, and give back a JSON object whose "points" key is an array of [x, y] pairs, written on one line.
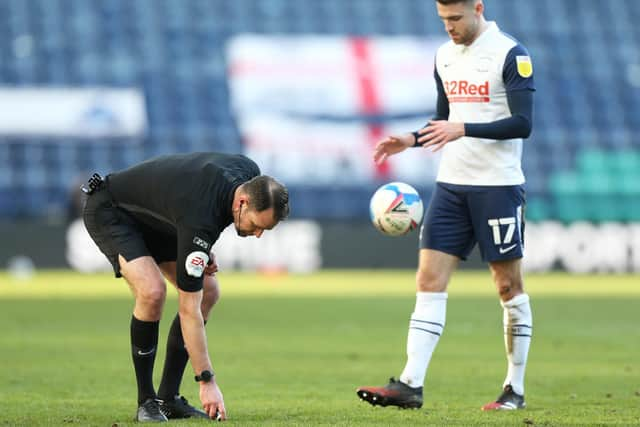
{"points": [[290, 350]]}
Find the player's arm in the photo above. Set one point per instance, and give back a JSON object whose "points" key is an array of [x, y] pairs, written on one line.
{"points": [[516, 126], [517, 75], [442, 107], [396, 143]]}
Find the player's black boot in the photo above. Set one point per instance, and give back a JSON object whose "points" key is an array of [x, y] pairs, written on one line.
{"points": [[508, 400], [149, 412], [396, 393], [179, 407]]}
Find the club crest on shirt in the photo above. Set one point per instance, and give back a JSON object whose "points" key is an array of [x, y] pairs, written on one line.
{"points": [[525, 68], [196, 263]]}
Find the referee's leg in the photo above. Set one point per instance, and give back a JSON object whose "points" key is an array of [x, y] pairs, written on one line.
{"points": [[149, 290]]}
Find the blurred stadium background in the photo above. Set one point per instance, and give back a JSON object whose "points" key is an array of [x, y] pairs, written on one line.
{"points": [[306, 88]]}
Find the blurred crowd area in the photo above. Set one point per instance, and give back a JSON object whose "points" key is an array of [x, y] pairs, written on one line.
{"points": [[95, 86]]}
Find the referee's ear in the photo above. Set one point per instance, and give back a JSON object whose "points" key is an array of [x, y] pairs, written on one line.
{"points": [[240, 199]]}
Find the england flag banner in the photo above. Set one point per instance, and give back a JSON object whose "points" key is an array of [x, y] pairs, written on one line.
{"points": [[310, 109]]}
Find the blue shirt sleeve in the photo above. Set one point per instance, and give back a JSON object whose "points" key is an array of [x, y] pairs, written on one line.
{"points": [[442, 104], [518, 77], [517, 126]]}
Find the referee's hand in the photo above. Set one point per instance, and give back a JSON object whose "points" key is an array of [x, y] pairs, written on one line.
{"points": [[212, 266], [212, 401]]}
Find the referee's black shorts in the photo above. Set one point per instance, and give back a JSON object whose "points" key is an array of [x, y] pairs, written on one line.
{"points": [[118, 233]]}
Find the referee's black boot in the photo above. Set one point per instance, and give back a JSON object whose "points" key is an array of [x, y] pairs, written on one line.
{"points": [[179, 407], [149, 412]]}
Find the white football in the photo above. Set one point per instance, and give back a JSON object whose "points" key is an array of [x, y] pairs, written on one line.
{"points": [[396, 209]]}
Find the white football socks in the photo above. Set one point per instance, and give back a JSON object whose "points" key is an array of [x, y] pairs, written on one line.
{"points": [[425, 328], [518, 325]]}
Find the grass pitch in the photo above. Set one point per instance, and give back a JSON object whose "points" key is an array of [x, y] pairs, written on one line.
{"points": [[290, 350]]}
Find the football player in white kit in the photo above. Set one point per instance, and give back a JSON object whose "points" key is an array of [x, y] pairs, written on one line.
{"points": [[484, 110]]}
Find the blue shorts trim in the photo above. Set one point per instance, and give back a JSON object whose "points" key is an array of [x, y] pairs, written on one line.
{"points": [[459, 216]]}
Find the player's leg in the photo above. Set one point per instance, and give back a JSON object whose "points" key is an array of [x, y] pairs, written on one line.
{"points": [[425, 327], [517, 320], [172, 404], [499, 222], [428, 318], [445, 237], [518, 328], [149, 289]]}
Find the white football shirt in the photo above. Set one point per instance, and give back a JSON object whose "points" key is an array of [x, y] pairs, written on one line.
{"points": [[476, 79]]}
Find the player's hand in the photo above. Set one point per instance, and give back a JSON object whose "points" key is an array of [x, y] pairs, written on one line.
{"points": [[438, 133], [212, 401], [212, 266], [391, 145]]}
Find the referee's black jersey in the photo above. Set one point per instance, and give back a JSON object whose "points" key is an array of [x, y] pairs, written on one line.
{"points": [[185, 197]]}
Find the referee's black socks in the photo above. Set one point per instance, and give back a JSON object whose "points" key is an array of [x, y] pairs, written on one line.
{"points": [[144, 343], [175, 362]]}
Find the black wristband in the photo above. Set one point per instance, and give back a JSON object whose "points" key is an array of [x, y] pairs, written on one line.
{"points": [[205, 376], [416, 135]]}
